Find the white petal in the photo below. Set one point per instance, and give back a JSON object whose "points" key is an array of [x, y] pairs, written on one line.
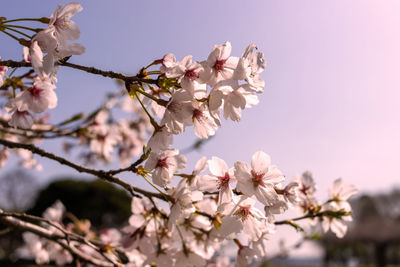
{"points": [[217, 166], [260, 162]]}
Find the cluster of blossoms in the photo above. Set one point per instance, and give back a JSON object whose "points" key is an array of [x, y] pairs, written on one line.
{"points": [[199, 227], [53, 42], [206, 210]]}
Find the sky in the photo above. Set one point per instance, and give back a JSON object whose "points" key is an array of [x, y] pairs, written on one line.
{"points": [[331, 100]]}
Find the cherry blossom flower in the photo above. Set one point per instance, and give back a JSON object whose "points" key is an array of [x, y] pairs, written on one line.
{"points": [[277, 208], [20, 117], [236, 97], [53, 39], [306, 184], [290, 193], [64, 28], [55, 212], [259, 179], [165, 164], [168, 62], [305, 192], [219, 65], [27, 160], [139, 207], [160, 140], [251, 64], [131, 143], [337, 225], [40, 96], [187, 73], [106, 138], [37, 99], [220, 180], [59, 254], [34, 55], [178, 113], [203, 122], [339, 193], [183, 206], [193, 179], [34, 245], [241, 215]]}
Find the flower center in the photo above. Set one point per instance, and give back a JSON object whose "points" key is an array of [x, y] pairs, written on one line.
{"points": [[61, 23], [35, 91], [223, 181], [197, 114], [162, 163], [243, 212], [305, 190], [21, 113], [101, 138], [191, 75], [219, 65], [257, 178]]}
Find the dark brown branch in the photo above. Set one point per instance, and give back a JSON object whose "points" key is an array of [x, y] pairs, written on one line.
{"points": [[133, 166], [98, 173], [92, 70]]}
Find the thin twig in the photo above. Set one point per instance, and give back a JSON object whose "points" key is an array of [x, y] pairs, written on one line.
{"points": [[309, 215]]}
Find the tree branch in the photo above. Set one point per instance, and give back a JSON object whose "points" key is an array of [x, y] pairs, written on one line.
{"points": [[92, 70], [98, 173], [309, 215], [53, 236]]}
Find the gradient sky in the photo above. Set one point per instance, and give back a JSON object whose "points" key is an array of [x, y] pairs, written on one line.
{"points": [[331, 101]]}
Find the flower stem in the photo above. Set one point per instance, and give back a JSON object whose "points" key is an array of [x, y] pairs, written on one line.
{"points": [[183, 240], [20, 27], [12, 36], [153, 72], [43, 20], [161, 102], [24, 34], [152, 121], [12, 72], [155, 187]]}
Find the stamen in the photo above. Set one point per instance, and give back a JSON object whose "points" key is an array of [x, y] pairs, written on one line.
{"points": [[219, 65], [257, 178], [223, 181], [162, 163], [243, 212]]}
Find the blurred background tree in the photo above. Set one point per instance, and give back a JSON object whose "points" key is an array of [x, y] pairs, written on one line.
{"points": [[374, 234], [103, 204]]}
